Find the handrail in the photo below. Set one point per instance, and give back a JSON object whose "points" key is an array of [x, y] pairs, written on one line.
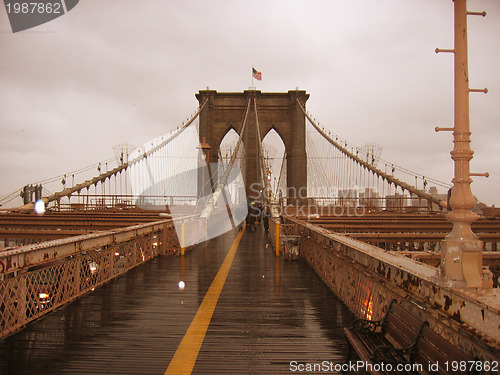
{"points": [[19, 258]]}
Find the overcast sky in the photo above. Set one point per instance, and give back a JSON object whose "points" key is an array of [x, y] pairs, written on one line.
{"points": [[113, 71]]}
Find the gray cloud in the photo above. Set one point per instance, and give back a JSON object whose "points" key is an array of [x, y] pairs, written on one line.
{"points": [[115, 71]]}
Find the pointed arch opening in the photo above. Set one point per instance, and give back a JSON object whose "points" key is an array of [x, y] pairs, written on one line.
{"points": [[274, 152], [227, 145]]}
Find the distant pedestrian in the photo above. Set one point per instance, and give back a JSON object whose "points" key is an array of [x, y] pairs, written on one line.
{"points": [[252, 217], [265, 218], [259, 212]]}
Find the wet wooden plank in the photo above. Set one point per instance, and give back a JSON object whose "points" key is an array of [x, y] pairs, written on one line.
{"points": [[270, 312]]}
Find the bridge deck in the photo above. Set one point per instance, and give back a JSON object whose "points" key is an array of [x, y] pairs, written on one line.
{"points": [[270, 312]]}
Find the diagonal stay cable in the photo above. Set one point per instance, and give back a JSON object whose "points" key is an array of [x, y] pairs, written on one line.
{"points": [[207, 210], [103, 176], [375, 170], [264, 180]]}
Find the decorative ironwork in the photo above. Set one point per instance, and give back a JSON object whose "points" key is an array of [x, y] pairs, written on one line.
{"points": [[30, 293]]}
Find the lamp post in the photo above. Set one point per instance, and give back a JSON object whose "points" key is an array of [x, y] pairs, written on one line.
{"points": [[461, 250]]}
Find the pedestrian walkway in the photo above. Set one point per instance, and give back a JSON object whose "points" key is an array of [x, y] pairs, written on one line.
{"points": [[271, 316]]}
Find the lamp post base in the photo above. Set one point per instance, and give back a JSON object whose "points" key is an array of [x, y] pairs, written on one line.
{"points": [[462, 263]]}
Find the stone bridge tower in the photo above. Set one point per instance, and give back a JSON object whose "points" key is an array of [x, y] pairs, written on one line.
{"points": [[279, 111]]}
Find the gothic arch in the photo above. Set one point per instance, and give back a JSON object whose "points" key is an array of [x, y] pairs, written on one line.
{"points": [[278, 111]]}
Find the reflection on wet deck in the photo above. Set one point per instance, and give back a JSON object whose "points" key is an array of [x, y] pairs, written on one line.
{"points": [[270, 312]]}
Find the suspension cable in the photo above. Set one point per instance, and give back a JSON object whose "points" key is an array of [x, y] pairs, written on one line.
{"points": [[211, 203], [264, 181], [282, 175], [103, 176], [387, 177]]}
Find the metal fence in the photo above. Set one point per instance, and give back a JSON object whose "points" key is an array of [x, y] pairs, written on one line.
{"points": [[367, 278], [37, 279]]}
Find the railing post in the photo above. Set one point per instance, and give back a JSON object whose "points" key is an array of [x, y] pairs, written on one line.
{"points": [[182, 237], [164, 239], [277, 238], [22, 294]]}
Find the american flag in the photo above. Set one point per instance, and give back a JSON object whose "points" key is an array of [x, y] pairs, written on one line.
{"points": [[257, 75]]}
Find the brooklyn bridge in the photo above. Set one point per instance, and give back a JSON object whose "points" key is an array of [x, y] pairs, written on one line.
{"points": [[201, 251]]}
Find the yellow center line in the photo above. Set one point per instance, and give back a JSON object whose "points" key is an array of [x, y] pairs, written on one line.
{"points": [[187, 352]]}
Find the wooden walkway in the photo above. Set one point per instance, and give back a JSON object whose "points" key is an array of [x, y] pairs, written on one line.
{"points": [[271, 315]]}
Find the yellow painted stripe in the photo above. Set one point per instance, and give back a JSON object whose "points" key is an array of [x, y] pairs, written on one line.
{"points": [[187, 352]]}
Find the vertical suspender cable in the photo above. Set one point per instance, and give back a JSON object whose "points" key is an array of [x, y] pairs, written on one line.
{"points": [[390, 178], [215, 196]]}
